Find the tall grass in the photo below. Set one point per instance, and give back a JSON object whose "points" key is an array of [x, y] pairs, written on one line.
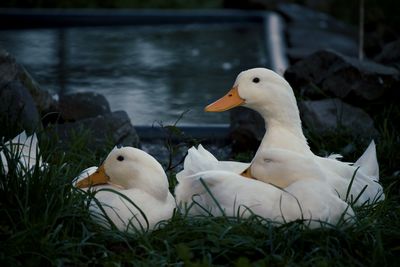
{"points": [[45, 221]]}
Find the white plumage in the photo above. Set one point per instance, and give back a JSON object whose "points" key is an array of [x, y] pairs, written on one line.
{"points": [[140, 178], [270, 95], [25, 148], [309, 199]]}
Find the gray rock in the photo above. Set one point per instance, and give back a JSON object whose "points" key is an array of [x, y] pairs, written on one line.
{"points": [[10, 71], [79, 106], [340, 76], [8, 68], [247, 129], [114, 127], [18, 110], [330, 114], [305, 42], [309, 31], [43, 99], [312, 19], [390, 54]]}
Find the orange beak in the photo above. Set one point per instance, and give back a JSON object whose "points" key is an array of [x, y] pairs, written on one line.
{"points": [[230, 100], [99, 177], [247, 174]]}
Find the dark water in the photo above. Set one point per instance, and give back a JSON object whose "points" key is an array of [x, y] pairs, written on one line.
{"points": [[153, 73]]}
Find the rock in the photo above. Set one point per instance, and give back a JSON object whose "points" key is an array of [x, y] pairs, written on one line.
{"points": [[10, 71], [18, 110], [301, 15], [340, 76], [246, 130], [309, 31], [79, 106], [8, 68], [114, 127], [330, 114], [390, 54], [304, 42], [43, 99]]}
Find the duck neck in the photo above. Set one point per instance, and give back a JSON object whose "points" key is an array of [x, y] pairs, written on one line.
{"points": [[152, 182], [284, 130]]}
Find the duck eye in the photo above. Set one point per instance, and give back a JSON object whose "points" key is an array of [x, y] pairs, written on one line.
{"points": [[256, 80], [120, 158]]}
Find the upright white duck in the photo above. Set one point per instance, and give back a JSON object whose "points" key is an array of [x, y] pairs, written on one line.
{"points": [[140, 178], [205, 189], [270, 95]]}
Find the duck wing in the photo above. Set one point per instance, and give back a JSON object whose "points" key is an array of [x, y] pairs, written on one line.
{"points": [[225, 193]]}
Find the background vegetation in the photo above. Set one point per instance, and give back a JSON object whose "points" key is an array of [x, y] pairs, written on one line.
{"points": [[45, 221]]}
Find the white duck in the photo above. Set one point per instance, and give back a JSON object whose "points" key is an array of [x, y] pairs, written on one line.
{"points": [[140, 178], [200, 159], [270, 95], [201, 187], [25, 148]]}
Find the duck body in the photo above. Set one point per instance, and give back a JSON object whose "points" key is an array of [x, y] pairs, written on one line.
{"points": [[144, 214], [131, 190], [355, 182], [364, 186], [270, 95], [223, 192]]}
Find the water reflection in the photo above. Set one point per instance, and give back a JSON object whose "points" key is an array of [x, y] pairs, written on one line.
{"points": [[154, 73]]}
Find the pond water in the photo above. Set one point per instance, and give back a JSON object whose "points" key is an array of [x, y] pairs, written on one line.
{"points": [[154, 73]]}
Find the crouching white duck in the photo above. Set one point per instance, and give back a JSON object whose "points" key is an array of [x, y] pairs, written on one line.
{"points": [[139, 195], [224, 192], [270, 95]]}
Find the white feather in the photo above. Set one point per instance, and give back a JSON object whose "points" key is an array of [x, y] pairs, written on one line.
{"points": [[27, 150], [224, 192]]}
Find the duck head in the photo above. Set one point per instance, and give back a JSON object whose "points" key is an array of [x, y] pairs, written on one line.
{"points": [[261, 90], [129, 168]]}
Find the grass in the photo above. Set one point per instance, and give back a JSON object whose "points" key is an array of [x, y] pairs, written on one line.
{"points": [[45, 221]]}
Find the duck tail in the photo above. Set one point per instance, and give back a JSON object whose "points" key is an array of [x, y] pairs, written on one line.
{"points": [[368, 162], [26, 148], [197, 160]]}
